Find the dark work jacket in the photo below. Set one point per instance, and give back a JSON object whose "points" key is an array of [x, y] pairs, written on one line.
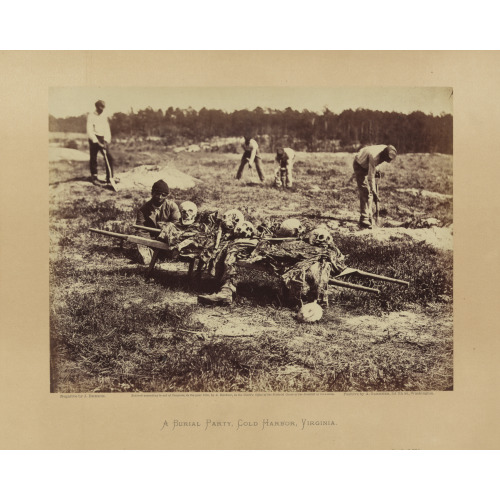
{"points": [[150, 216]]}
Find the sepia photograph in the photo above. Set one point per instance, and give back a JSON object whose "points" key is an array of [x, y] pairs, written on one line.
{"points": [[250, 239], [215, 250]]}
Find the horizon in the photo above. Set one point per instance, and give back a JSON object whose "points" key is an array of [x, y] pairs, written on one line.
{"points": [[65, 102]]}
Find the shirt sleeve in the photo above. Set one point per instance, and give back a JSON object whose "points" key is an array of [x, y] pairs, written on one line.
{"points": [[253, 145], [141, 221], [90, 128], [371, 173], [175, 213], [107, 132]]}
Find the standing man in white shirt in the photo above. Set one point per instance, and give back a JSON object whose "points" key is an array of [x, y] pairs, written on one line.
{"points": [[365, 168], [251, 155], [283, 175], [99, 135]]}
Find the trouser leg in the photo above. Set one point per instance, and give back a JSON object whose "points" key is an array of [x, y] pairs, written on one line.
{"points": [[258, 166], [111, 162], [226, 288], [93, 149], [365, 196], [277, 177], [225, 271], [289, 175], [109, 173], [239, 173], [145, 254]]}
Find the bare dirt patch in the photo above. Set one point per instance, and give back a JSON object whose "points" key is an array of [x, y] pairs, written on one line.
{"points": [[407, 326], [111, 330], [143, 177], [426, 194], [66, 154], [438, 237]]}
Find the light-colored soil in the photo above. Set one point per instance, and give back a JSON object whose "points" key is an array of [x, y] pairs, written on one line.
{"points": [[426, 194], [144, 176], [438, 237], [102, 266], [57, 154]]}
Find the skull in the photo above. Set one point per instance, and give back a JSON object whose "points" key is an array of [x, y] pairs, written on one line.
{"points": [[231, 218], [244, 229], [309, 313], [290, 228], [188, 212], [320, 237]]}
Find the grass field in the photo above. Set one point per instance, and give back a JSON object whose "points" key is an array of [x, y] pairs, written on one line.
{"points": [[113, 332]]}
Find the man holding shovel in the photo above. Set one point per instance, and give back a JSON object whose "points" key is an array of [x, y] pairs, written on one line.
{"points": [[99, 135], [365, 170], [251, 156]]}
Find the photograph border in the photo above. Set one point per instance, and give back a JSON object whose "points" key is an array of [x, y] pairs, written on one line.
{"points": [[465, 418]]}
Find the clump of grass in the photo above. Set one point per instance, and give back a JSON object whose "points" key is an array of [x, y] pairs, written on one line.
{"points": [[109, 348], [104, 342], [110, 331], [101, 333], [429, 271], [90, 211], [201, 195]]}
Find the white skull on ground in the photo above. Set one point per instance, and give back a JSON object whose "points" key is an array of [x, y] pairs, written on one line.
{"points": [[309, 313], [231, 218], [188, 212], [320, 237], [290, 228], [244, 229]]}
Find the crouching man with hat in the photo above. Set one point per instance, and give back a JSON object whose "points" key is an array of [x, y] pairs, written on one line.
{"points": [[283, 176], [365, 170], [155, 213]]}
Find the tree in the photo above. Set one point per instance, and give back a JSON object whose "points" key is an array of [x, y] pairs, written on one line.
{"points": [[303, 130]]}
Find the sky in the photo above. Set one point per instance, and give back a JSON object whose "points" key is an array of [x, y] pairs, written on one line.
{"points": [[75, 101]]}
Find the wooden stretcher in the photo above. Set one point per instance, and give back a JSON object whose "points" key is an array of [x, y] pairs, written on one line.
{"points": [[195, 262]]}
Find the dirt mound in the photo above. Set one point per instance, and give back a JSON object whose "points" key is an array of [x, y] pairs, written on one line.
{"points": [[67, 154], [426, 194], [438, 237], [145, 176], [402, 326]]}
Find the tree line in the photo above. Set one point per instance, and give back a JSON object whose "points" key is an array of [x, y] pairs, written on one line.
{"points": [[305, 130]]}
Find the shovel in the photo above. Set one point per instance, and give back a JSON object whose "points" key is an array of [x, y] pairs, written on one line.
{"points": [[109, 172]]}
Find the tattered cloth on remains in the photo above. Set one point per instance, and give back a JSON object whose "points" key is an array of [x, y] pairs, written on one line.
{"points": [[229, 252], [195, 241], [281, 256], [206, 240], [304, 269]]}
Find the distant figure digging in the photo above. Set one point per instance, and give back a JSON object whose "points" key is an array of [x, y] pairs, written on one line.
{"points": [[251, 157], [365, 169], [283, 176]]}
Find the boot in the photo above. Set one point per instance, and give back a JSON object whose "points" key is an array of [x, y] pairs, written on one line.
{"points": [[365, 224], [222, 298]]}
